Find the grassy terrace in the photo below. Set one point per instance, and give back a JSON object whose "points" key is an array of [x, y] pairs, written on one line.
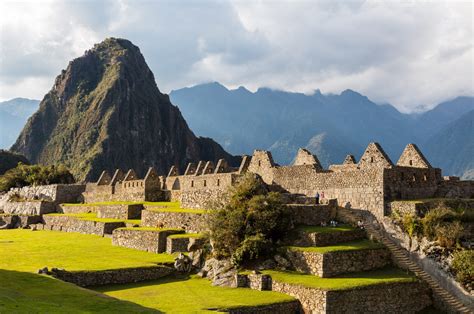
{"points": [[187, 235], [23, 291], [318, 229], [363, 244], [152, 229], [93, 217], [190, 295], [24, 250], [349, 281]]}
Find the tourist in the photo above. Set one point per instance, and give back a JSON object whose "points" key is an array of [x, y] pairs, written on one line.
{"points": [[317, 198]]}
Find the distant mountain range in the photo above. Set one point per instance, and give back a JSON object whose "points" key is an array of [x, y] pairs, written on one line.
{"points": [[331, 126]]}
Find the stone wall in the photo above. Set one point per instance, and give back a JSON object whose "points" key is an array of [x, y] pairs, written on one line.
{"points": [[191, 222], [72, 224], [313, 214], [329, 238], [113, 276], [409, 297], [29, 207], [275, 308], [120, 211], [388, 298], [141, 239], [339, 262], [180, 244]]}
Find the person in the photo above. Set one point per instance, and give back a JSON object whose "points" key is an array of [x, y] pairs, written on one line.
{"points": [[317, 198]]}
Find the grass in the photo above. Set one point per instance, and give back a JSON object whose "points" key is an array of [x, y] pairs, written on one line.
{"points": [[357, 245], [190, 295], [25, 250], [22, 292], [93, 217], [187, 235], [344, 282], [151, 229], [318, 229]]}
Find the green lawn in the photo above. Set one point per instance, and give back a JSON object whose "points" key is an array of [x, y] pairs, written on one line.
{"points": [[318, 229], [363, 244], [25, 250], [343, 282], [190, 295], [93, 217], [22, 292]]}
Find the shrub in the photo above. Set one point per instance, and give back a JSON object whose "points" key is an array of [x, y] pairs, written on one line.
{"points": [[24, 175], [251, 225], [448, 234], [411, 225], [463, 266]]}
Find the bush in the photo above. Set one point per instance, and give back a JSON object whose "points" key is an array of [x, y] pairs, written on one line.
{"points": [[463, 266], [251, 225], [24, 175]]}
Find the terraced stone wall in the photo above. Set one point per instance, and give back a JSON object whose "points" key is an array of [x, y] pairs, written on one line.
{"points": [[114, 276], [145, 240], [339, 262], [191, 222], [72, 224]]}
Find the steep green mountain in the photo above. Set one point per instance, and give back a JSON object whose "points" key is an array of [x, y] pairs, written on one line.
{"points": [[453, 147], [13, 116], [105, 112], [9, 160], [328, 125]]}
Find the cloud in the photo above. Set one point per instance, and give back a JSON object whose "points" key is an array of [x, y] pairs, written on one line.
{"points": [[404, 53]]}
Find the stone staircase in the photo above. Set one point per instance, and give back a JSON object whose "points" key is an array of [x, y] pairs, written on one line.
{"points": [[399, 255]]}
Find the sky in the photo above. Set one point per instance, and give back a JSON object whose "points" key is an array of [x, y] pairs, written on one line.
{"points": [[411, 54]]}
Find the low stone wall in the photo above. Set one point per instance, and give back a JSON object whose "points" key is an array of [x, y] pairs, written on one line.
{"points": [[386, 298], [8, 221], [191, 222], [114, 276], [410, 297], [420, 208], [76, 209], [145, 240], [72, 224], [180, 244], [329, 238], [339, 262], [313, 214], [120, 211], [29, 207], [276, 308]]}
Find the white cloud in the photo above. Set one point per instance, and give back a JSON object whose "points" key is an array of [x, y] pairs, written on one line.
{"points": [[406, 53]]}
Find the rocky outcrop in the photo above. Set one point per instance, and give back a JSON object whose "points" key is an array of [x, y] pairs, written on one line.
{"points": [[106, 112]]}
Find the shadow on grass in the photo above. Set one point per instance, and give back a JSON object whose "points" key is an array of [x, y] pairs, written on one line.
{"points": [[31, 293], [164, 280]]}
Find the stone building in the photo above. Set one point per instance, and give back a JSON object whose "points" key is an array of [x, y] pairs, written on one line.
{"points": [[369, 184]]}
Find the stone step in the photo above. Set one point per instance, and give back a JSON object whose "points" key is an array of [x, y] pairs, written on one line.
{"points": [[340, 259], [143, 238]]}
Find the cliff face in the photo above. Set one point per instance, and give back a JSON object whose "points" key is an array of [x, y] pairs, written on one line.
{"points": [[105, 112]]}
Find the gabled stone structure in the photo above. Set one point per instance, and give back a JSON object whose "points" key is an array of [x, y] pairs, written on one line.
{"points": [[349, 160], [412, 157], [304, 157], [375, 156], [104, 178]]}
